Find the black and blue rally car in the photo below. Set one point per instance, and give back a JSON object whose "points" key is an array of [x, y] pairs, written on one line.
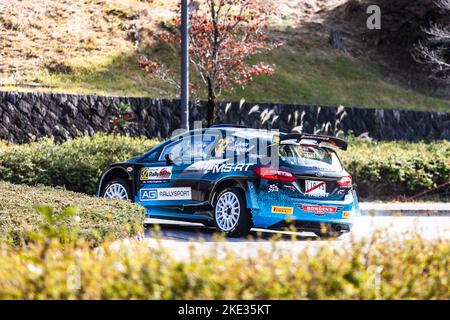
{"points": [[236, 178]]}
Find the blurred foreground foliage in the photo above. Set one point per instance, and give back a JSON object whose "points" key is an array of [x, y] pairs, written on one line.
{"points": [[78, 252], [380, 268]]}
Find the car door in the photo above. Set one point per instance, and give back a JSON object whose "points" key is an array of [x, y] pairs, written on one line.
{"points": [[168, 187]]}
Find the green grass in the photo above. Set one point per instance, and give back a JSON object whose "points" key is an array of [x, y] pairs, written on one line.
{"points": [[301, 77], [332, 80], [118, 75]]}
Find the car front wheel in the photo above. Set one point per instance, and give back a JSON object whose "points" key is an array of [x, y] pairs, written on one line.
{"points": [[118, 189], [230, 213]]}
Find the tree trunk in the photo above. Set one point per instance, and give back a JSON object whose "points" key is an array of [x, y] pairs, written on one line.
{"points": [[211, 105]]}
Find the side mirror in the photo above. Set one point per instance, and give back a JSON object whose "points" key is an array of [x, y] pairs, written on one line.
{"points": [[168, 159]]}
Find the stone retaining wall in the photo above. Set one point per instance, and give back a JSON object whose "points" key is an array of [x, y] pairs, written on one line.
{"points": [[27, 115]]}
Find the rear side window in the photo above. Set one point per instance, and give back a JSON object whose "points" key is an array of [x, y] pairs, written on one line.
{"points": [[190, 149], [310, 156]]}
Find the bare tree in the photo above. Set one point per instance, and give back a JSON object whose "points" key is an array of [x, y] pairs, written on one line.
{"points": [[434, 52]]}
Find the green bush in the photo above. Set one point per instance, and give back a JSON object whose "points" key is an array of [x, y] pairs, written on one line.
{"points": [[380, 169], [395, 169], [75, 164], [380, 269], [95, 218]]}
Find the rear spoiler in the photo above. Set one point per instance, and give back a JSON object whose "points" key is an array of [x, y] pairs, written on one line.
{"points": [[341, 144]]}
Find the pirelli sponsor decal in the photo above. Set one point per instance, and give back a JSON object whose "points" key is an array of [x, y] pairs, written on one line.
{"points": [[282, 210]]}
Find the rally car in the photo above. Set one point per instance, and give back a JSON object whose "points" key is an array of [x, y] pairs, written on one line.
{"points": [[236, 178]]}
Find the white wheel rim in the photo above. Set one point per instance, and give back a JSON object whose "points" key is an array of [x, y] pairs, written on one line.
{"points": [[116, 191], [227, 211]]}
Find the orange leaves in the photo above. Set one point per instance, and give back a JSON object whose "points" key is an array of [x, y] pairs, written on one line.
{"points": [[223, 35], [151, 67], [263, 68], [168, 37]]}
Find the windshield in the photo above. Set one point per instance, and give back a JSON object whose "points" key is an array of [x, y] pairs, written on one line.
{"points": [[310, 156]]}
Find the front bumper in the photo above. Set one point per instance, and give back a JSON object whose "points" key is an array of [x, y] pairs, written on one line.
{"points": [[279, 209]]}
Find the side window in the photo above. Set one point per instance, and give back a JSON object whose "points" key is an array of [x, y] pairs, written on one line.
{"points": [[190, 149], [151, 157], [207, 146], [235, 148]]}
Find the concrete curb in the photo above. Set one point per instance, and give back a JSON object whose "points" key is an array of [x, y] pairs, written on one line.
{"points": [[405, 209]]}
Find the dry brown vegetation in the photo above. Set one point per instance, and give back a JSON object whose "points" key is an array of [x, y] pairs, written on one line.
{"points": [[40, 35], [92, 46]]}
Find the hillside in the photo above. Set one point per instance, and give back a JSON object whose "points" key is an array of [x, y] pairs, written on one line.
{"points": [[92, 46]]}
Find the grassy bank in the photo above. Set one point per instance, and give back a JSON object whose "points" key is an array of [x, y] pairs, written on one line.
{"points": [[99, 55], [300, 77], [334, 79], [94, 219]]}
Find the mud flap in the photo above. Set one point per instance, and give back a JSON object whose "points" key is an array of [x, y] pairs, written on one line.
{"points": [[250, 196]]}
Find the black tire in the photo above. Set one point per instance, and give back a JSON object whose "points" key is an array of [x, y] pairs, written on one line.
{"points": [[118, 181], [244, 224]]}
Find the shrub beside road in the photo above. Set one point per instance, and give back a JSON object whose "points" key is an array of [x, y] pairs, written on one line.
{"points": [[75, 164], [381, 170], [386, 170], [94, 219]]}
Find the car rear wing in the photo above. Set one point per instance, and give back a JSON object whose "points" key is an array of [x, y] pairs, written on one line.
{"points": [[318, 139]]}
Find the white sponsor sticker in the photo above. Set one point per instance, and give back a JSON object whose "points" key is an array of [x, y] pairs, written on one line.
{"points": [[316, 188], [160, 194], [156, 173]]}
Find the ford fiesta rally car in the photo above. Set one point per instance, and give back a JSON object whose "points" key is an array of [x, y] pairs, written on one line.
{"points": [[235, 178]]}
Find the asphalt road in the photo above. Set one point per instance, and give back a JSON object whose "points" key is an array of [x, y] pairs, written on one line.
{"points": [[178, 237]]}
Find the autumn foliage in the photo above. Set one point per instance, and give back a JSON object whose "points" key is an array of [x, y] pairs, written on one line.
{"points": [[223, 35]]}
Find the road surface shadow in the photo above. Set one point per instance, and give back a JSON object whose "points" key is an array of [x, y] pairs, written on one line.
{"points": [[191, 232]]}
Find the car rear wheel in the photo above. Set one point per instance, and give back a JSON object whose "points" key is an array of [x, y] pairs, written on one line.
{"points": [[118, 189], [230, 213]]}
